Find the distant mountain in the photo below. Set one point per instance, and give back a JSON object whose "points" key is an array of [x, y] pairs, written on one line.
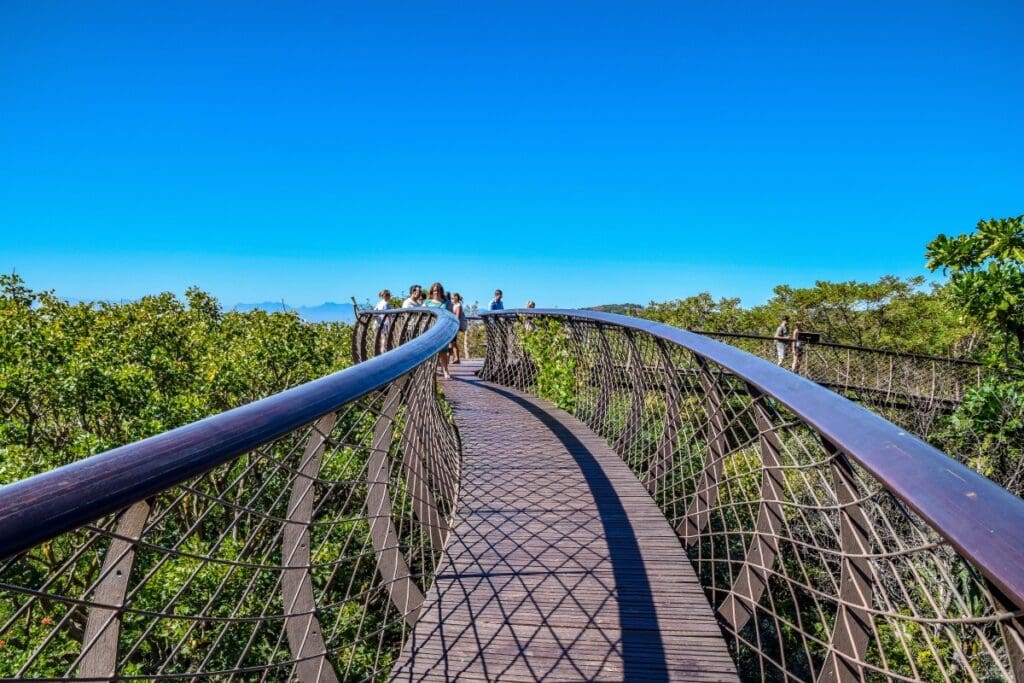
{"points": [[328, 311], [621, 309]]}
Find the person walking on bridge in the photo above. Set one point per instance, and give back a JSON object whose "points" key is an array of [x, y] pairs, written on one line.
{"points": [[496, 304]]}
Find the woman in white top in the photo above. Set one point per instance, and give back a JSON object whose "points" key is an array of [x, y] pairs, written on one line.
{"points": [[415, 292], [384, 322], [385, 300]]}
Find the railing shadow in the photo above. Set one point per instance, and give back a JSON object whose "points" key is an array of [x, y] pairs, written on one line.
{"points": [[582, 606]]}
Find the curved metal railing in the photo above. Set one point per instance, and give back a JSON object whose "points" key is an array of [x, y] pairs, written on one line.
{"points": [[291, 538], [832, 544], [870, 375]]}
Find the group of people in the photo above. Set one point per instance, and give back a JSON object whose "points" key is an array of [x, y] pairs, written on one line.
{"points": [[786, 338], [436, 297]]}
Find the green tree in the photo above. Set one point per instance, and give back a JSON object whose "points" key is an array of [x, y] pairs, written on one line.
{"points": [[77, 379], [893, 313], [699, 312], [986, 283], [986, 280]]}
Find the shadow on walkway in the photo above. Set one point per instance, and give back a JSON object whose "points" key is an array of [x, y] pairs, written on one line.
{"points": [[559, 565]]}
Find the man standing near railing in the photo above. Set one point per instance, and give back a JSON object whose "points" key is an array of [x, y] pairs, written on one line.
{"points": [[496, 304], [782, 340]]}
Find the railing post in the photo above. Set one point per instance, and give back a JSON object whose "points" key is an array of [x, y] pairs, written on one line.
{"points": [[1013, 635], [848, 381], [750, 584], [358, 341], [853, 623], [633, 372], [305, 636], [103, 628], [663, 459], [380, 334], [391, 562], [704, 498], [416, 449], [604, 389], [1012, 631]]}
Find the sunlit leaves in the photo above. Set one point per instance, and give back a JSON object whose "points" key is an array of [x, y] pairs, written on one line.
{"points": [[987, 279], [77, 379]]}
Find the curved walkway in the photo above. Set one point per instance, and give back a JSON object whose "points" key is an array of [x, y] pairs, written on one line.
{"points": [[559, 565]]}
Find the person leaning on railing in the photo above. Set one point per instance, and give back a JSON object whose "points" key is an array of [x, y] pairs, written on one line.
{"points": [[496, 304], [798, 347], [782, 340]]}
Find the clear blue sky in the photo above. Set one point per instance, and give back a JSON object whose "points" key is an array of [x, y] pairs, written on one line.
{"points": [[573, 154]]}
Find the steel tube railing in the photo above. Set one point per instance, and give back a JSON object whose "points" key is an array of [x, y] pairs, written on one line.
{"points": [[833, 544], [291, 538], [922, 381]]}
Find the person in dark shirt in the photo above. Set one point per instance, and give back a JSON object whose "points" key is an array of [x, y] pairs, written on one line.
{"points": [[496, 304]]}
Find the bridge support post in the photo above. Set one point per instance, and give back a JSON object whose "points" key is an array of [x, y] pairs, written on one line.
{"points": [[853, 624], [750, 584], [633, 373], [1012, 631], [103, 628], [1013, 634], [419, 475], [662, 461], [706, 496], [605, 383], [391, 563], [305, 637]]}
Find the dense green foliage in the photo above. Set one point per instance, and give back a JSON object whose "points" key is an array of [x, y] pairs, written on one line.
{"points": [[78, 379], [986, 283], [892, 313], [556, 365], [986, 286], [621, 309]]}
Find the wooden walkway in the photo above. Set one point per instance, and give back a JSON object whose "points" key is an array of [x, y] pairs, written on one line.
{"points": [[559, 565]]}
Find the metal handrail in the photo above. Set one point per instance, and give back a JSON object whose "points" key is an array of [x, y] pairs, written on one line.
{"points": [[981, 520], [836, 345], [44, 506]]}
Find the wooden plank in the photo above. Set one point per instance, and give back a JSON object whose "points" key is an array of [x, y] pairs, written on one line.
{"points": [[559, 565]]}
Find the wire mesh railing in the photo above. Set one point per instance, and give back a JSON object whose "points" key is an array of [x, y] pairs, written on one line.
{"points": [[289, 539], [374, 330], [867, 374], [832, 544]]}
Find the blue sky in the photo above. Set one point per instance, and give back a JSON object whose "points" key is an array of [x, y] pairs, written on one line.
{"points": [[573, 154]]}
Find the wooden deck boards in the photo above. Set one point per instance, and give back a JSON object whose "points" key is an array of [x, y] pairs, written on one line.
{"points": [[559, 565]]}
